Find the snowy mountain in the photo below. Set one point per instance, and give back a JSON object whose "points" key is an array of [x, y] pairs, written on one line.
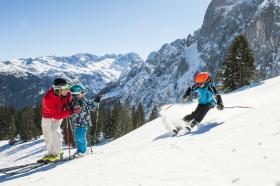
{"points": [[230, 147], [167, 73], [163, 77], [29, 78]]}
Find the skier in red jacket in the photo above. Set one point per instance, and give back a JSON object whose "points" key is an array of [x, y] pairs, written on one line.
{"points": [[55, 109]]}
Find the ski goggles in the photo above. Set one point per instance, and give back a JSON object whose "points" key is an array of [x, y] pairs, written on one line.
{"points": [[64, 87], [77, 93]]}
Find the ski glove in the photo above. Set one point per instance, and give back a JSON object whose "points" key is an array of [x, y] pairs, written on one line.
{"points": [[185, 97], [97, 99], [187, 93], [220, 107]]}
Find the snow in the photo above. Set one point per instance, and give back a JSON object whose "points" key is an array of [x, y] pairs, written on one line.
{"points": [[195, 63], [50, 65], [231, 147], [229, 6], [115, 93], [193, 57], [267, 3]]}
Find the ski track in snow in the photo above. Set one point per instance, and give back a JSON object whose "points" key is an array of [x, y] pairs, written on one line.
{"points": [[230, 147]]}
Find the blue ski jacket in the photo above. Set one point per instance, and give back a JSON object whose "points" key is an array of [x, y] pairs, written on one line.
{"points": [[206, 94]]}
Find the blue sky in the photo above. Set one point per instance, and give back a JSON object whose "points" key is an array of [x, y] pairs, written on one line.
{"points": [[32, 28]]}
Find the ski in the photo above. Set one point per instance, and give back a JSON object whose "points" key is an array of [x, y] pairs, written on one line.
{"points": [[23, 169], [31, 166], [4, 170]]}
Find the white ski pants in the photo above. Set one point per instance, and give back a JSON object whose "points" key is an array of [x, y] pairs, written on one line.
{"points": [[52, 135]]}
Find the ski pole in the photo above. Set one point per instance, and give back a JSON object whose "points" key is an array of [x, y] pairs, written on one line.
{"points": [[169, 106], [238, 107], [96, 122], [90, 143], [72, 130], [68, 139]]}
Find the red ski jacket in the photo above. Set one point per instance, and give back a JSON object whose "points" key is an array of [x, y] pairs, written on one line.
{"points": [[54, 106]]}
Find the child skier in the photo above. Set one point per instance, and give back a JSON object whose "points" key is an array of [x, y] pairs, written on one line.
{"points": [[209, 97], [82, 120]]}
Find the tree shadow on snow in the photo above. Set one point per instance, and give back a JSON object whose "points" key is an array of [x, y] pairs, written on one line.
{"points": [[34, 152], [19, 147]]}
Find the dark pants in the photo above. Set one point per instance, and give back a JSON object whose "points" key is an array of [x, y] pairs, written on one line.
{"points": [[199, 113]]}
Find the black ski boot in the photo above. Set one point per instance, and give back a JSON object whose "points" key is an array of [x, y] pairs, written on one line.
{"points": [[191, 125], [194, 123], [187, 119], [175, 132]]}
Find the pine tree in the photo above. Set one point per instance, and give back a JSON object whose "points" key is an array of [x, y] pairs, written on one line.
{"points": [[127, 117], [109, 130], [238, 68], [154, 113], [27, 127], [38, 118], [134, 118], [116, 120], [7, 123], [105, 121], [97, 127], [139, 116]]}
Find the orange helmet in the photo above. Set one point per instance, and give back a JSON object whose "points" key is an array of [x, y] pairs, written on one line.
{"points": [[202, 77]]}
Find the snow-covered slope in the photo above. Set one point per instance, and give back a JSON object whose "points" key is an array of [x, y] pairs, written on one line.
{"points": [[231, 147]]}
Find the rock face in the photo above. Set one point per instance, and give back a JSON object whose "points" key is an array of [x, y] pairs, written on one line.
{"points": [[257, 19]]}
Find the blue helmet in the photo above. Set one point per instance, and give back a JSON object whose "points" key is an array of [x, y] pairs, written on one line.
{"points": [[77, 89]]}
